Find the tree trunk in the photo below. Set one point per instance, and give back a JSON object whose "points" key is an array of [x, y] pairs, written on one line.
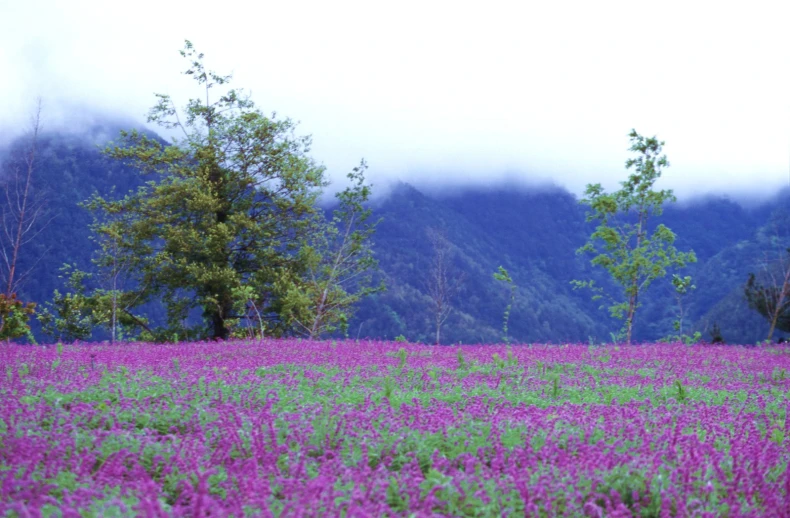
{"points": [[630, 324], [773, 326], [24, 219], [630, 321], [220, 332], [438, 330]]}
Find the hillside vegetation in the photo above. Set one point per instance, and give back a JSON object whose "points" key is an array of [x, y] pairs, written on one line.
{"points": [[532, 232]]}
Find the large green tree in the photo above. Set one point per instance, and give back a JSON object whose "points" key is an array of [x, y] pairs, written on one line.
{"points": [[623, 243], [231, 202]]}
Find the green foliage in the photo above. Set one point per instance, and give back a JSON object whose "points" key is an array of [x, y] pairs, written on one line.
{"points": [[461, 360], [14, 317], [337, 266], [555, 386], [402, 355], [244, 302], [622, 243], [682, 394], [69, 316], [683, 287], [504, 276], [232, 201], [73, 315]]}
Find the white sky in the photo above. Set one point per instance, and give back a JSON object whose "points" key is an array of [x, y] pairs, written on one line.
{"points": [[437, 92]]}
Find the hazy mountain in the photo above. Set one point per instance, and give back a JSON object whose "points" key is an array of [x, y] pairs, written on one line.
{"points": [[532, 233]]}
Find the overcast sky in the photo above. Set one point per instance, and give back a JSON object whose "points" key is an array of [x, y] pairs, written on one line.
{"points": [[442, 92]]}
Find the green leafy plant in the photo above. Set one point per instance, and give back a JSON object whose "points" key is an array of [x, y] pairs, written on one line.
{"points": [[682, 394], [14, 317], [69, 316], [511, 358], [461, 360], [503, 276], [555, 386], [402, 355], [622, 243], [73, 314], [388, 388], [683, 287]]}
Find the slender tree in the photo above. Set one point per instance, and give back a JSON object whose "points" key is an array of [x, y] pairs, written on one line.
{"points": [[502, 275], [622, 242], [23, 216], [682, 287], [442, 282], [230, 202], [112, 302], [338, 265]]}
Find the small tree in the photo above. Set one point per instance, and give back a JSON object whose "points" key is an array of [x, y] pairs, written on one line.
{"points": [[770, 295], [69, 316], [504, 276], [338, 265], [23, 216], [113, 265], [75, 313], [14, 317], [622, 242], [682, 287], [441, 283]]}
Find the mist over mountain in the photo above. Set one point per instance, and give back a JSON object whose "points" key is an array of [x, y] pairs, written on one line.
{"points": [[533, 232]]}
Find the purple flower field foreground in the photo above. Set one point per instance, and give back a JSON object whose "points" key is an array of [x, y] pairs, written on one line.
{"points": [[300, 428]]}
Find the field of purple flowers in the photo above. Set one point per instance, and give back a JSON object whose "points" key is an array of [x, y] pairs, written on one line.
{"points": [[299, 428]]}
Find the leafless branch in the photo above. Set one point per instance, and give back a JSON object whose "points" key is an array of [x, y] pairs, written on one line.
{"points": [[24, 214], [441, 282]]}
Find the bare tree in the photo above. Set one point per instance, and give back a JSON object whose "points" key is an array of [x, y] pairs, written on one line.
{"points": [[442, 282], [769, 294], [23, 215]]}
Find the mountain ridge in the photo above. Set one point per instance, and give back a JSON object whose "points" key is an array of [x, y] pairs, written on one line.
{"points": [[532, 232]]}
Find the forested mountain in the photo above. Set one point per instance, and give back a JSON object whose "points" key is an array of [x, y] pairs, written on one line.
{"points": [[69, 169], [533, 233]]}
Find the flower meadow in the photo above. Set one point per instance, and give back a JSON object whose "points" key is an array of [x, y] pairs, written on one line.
{"points": [[363, 428]]}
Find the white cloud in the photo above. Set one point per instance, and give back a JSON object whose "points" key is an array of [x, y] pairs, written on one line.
{"points": [[474, 91]]}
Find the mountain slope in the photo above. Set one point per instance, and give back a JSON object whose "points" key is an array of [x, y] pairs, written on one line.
{"points": [[533, 233]]}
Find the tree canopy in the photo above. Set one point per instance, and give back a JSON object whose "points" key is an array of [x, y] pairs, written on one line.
{"points": [[222, 225]]}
